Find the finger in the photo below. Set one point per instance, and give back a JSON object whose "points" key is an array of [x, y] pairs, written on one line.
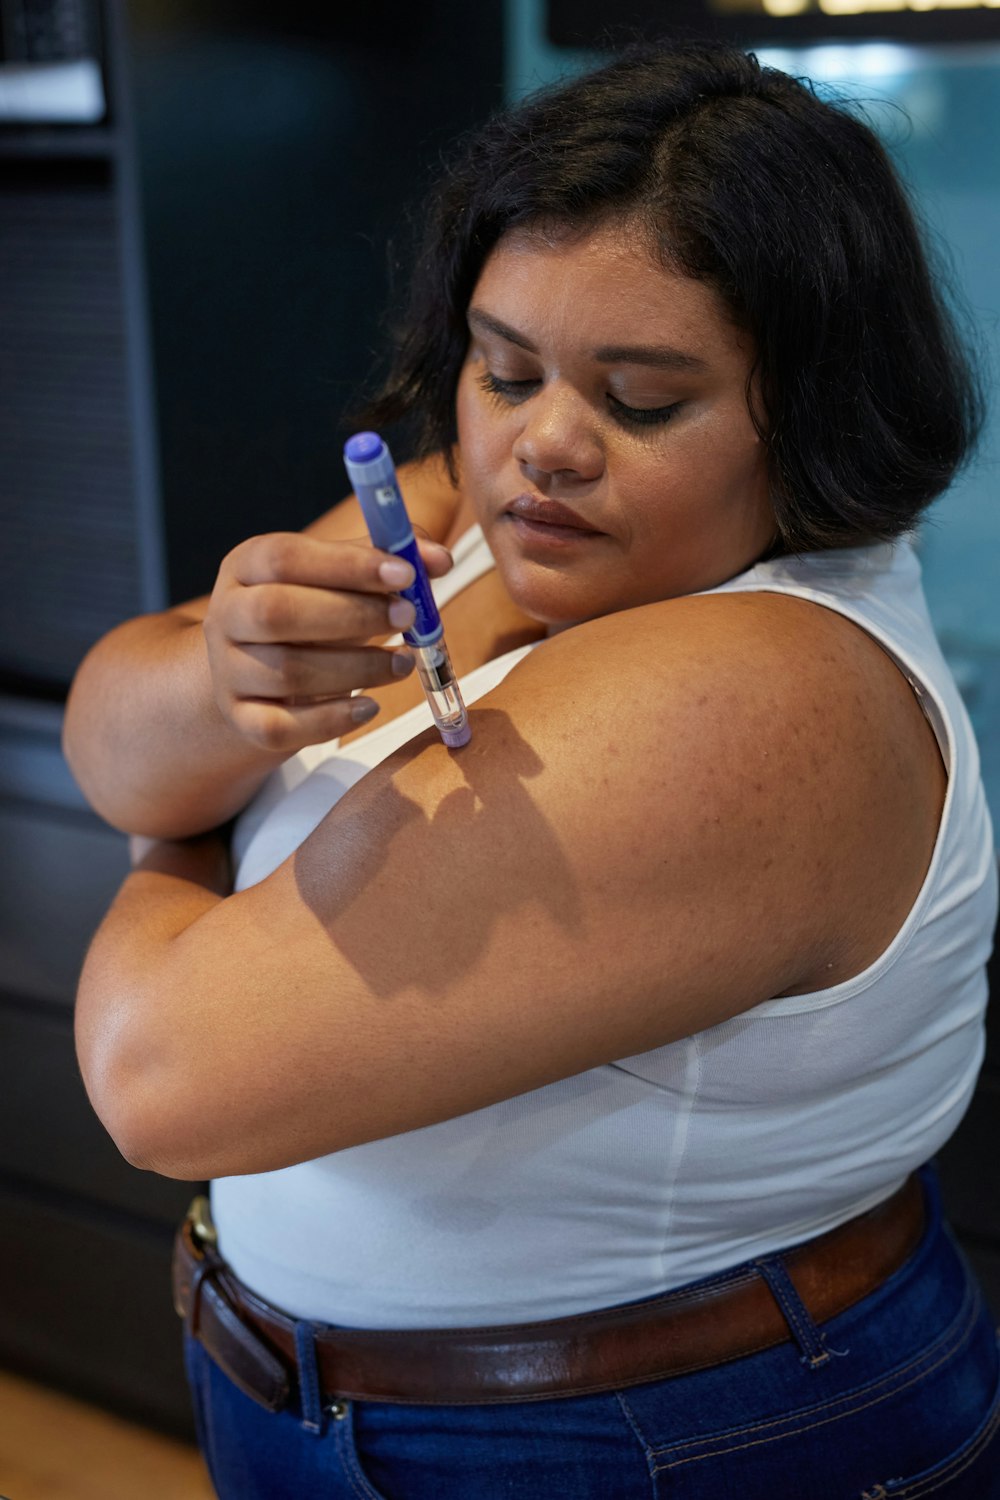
{"points": [[437, 559], [302, 673], [287, 728], [293, 613], [289, 557]]}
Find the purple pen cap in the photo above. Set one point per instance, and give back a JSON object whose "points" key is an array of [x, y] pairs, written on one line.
{"points": [[456, 738], [363, 447]]}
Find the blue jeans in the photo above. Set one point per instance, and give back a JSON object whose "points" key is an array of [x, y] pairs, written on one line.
{"points": [[895, 1399]]}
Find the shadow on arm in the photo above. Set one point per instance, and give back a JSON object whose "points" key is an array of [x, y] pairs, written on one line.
{"points": [[411, 889]]}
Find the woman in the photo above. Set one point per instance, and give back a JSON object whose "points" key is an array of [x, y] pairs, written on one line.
{"points": [[564, 1094]]}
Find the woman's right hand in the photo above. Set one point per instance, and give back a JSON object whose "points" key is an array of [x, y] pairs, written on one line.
{"points": [[288, 631]]}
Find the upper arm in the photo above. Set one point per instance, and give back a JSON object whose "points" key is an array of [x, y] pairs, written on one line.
{"points": [[653, 828]]}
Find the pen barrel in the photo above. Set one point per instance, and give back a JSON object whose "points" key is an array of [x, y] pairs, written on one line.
{"points": [[426, 628], [437, 678], [373, 474], [434, 668], [371, 470]]}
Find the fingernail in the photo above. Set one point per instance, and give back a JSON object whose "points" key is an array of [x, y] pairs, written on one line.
{"points": [[402, 663], [398, 574], [401, 614], [363, 709], [439, 549]]}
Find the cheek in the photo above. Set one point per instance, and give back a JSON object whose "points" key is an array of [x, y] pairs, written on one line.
{"points": [[473, 429], [727, 461], [462, 404], [709, 492], [741, 490], [484, 437], [748, 465], [480, 453]]}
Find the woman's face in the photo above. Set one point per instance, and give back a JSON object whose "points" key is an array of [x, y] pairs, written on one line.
{"points": [[603, 428]]}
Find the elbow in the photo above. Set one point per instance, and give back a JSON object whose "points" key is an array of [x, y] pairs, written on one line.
{"points": [[156, 1127], [161, 1165], [139, 1107], [89, 782], [117, 1100], [164, 1134], [145, 1135], [136, 1149], [165, 1106], [84, 751], [75, 757], [154, 1094], [108, 788], [183, 1155], [69, 737]]}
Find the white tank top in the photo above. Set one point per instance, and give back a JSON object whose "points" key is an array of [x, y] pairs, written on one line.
{"points": [[658, 1169]]}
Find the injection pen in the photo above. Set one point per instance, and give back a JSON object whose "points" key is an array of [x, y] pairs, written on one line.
{"points": [[373, 475]]}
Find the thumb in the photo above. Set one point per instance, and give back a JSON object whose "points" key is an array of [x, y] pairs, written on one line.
{"points": [[437, 559]]}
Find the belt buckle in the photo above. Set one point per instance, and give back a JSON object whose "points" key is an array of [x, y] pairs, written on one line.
{"points": [[199, 1216]]}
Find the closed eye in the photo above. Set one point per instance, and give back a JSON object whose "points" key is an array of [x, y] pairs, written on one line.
{"points": [[642, 416], [513, 392]]}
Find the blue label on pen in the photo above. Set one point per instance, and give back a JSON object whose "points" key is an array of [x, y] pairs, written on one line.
{"points": [[427, 627]]}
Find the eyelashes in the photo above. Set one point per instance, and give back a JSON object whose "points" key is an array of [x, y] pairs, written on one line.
{"points": [[514, 392], [642, 416], [509, 392]]}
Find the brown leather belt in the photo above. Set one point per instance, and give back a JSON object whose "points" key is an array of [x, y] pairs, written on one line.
{"points": [[689, 1329]]}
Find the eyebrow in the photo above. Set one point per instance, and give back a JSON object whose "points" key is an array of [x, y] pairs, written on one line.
{"points": [[657, 356]]}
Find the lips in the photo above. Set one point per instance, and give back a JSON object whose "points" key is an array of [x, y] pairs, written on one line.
{"points": [[549, 513]]}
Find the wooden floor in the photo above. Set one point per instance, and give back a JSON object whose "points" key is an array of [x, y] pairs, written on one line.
{"points": [[54, 1448]]}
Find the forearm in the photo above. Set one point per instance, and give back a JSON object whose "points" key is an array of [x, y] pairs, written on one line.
{"points": [[145, 739]]}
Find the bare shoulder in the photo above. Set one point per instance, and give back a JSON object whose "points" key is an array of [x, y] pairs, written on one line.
{"points": [[753, 669], [771, 664], [775, 737]]}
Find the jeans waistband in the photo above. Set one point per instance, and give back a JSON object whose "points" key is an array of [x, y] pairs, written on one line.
{"points": [[742, 1312]]}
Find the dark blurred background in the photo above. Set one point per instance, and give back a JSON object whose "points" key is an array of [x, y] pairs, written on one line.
{"points": [[197, 199]]}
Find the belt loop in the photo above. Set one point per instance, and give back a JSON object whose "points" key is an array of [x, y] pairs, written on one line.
{"points": [[310, 1395], [203, 1268], [796, 1314]]}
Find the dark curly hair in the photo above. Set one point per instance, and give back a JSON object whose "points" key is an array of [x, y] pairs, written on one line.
{"points": [[789, 207]]}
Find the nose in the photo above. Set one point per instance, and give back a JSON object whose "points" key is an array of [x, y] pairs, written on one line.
{"points": [[559, 435]]}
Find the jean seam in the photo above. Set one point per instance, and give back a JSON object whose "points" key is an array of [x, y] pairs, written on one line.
{"points": [[356, 1476], [952, 1468], [647, 1451], [888, 1387]]}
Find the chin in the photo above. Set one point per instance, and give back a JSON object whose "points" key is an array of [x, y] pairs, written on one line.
{"points": [[555, 594], [556, 607]]}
